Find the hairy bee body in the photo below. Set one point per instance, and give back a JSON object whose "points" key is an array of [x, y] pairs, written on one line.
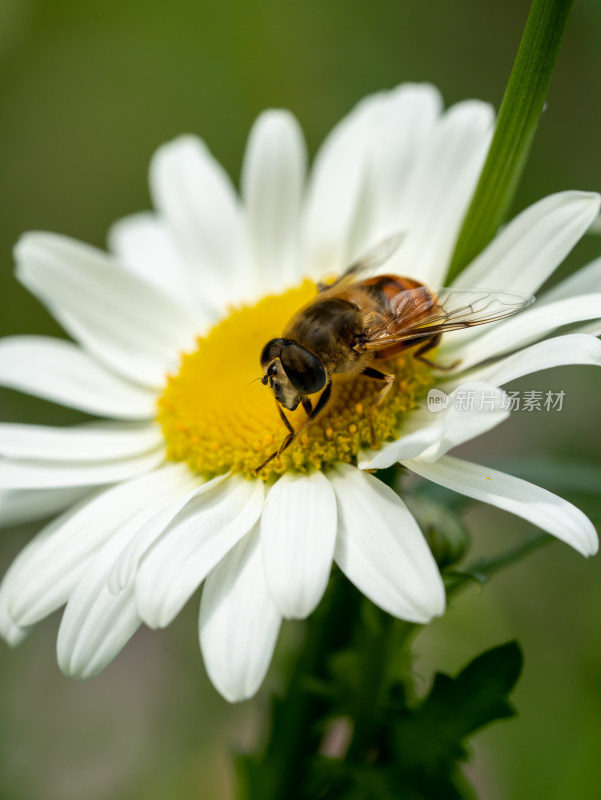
{"points": [[336, 324], [357, 322]]}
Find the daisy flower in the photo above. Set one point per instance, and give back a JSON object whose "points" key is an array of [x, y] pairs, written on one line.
{"points": [[161, 492]]}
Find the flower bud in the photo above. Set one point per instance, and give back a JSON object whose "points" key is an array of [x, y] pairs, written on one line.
{"points": [[447, 536]]}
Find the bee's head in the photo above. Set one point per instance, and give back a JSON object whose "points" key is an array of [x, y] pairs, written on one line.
{"points": [[291, 371]]}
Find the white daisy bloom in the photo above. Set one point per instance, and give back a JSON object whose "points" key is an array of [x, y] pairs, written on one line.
{"points": [[162, 493]]}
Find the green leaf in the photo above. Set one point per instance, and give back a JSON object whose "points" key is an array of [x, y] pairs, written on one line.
{"points": [[516, 125], [414, 753], [431, 737], [336, 780]]}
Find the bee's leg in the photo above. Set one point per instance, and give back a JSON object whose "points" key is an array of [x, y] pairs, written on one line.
{"points": [[291, 433], [285, 442], [311, 415], [376, 375], [428, 345]]}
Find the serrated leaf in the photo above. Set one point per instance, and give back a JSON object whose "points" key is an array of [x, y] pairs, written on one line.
{"points": [[431, 736]]}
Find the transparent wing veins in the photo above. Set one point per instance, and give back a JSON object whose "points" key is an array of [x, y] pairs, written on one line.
{"points": [[423, 313], [366, 264]]}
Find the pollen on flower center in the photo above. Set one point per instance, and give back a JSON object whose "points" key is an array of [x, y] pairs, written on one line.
{"points": [[216, 416]]}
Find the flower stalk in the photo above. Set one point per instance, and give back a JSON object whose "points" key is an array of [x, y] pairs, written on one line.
{"points": [[516, 125], [356, 666], [297, 719]]}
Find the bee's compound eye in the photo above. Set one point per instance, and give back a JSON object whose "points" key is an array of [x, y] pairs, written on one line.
{"points": [[304, 370], [271, 351], [272, 369]]}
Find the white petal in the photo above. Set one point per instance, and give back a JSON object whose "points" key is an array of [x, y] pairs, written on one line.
{"points": [[522, 329], [199, 205], [334, 191], [298, 533], [359, 179], [381, 549], [537, 505], [273, 175], [585, 280], [239, 622], [23, 474], [465, 420], [96, 624], [198, 537], [120, 319], [595, 228], [39, 581], [26, 505], [125, 568], [411, 444], [401, 124], [592, 329], [439, 190], [472, 409], [577, 348], [78, 443], [61, 372], [44, 574], [531, 246], [12, 633], [143, 244]]}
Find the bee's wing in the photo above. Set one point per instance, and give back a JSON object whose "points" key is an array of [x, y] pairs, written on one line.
{"points": [[367, 264], [421, 313]]}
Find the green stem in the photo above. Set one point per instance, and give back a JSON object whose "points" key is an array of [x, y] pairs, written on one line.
{"points": [[378, 650], [345, 622], [483, 569], [518, 118], [296, 733]]}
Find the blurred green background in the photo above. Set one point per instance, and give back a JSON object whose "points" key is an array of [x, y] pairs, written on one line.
{"points": [[87, 92]]}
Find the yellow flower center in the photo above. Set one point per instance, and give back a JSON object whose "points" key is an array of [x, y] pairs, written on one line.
{"points": [[217, 417]]}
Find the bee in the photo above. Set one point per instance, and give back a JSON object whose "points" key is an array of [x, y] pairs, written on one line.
{"points": [[357, 322]]}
